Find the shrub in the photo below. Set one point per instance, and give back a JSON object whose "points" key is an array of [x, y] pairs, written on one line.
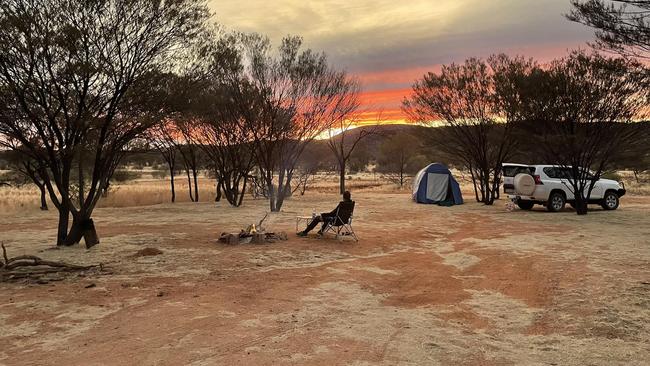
{"points": [[159, 174], [612, 175], [125, 175]]}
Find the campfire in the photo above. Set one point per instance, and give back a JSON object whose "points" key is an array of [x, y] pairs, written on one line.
{"points": [[253, 234]]}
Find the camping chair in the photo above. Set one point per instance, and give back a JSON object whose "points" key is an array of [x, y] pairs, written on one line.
{"points": [[342, 224]]}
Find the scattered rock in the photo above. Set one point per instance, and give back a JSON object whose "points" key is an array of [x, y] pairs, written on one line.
{"points": [[91, 285]]}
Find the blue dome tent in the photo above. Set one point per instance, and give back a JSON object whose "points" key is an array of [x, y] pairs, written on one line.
{"points": [[435, 185]]}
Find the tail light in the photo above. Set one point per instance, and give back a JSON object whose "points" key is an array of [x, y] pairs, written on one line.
{"points": [[538, 180]]}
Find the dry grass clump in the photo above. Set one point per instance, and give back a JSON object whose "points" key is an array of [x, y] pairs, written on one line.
{"points": [[640, 187], [20, 198], [153, 192]]}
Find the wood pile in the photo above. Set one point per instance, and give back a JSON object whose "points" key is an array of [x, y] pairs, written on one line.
{"points": [[253, 234]]}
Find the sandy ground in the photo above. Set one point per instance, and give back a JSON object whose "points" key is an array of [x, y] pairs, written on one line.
{"points": [[425, 285]]}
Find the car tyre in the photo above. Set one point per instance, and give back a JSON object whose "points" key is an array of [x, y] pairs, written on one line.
{"points": [[525, 205], [610, 201], [556, 202]]}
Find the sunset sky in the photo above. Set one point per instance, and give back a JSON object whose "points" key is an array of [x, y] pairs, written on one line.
{"points": [[387, 44]]}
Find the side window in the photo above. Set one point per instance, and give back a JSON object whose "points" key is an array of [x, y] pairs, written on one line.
{"points": [[566, 173], [551, 172]]}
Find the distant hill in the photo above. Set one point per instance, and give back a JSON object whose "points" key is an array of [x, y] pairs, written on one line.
{"points": [[381, 132]]}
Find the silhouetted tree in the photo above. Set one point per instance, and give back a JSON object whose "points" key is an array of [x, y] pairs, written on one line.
{"points": [[468, 100], [27, 170], [398, 158], [622, 26], [160, 137], [585, 110], [290, 98], [635, 155], [342, 137], [79, 78], [187, 140]]}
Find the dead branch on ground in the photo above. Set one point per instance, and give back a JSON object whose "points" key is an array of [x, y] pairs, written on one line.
{"points": [[10, 265]]}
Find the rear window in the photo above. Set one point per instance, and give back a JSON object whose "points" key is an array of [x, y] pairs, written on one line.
{"points": [[511, 171]]}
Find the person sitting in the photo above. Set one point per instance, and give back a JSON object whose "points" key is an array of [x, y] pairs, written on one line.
{"points": [[328, 217]]}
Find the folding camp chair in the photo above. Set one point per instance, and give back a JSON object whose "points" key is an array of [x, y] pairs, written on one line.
{"points": [[342, 225]]}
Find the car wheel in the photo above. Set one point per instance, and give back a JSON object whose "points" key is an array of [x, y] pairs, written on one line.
{"points": [[610, 201], [525, 205], [556, 202]]}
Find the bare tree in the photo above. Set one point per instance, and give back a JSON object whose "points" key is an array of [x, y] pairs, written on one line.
{"points": [[311, 162], [343, 139], [187, 143], [622, 26], [589, 104], [466, 99], [159, 136], [398, 158], [225, 143], [635, 155], [224, 104], [27, 170], [80, 77], [291, 98]]}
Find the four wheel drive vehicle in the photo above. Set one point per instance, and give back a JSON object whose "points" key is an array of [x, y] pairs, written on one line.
{"points": [[549, 185], [510, 170]]}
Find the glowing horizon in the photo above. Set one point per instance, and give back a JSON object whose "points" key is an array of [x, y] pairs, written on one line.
{"points": [[389, 45]]}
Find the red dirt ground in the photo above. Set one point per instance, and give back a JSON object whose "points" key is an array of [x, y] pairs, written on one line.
{"points": [[466, 285]]}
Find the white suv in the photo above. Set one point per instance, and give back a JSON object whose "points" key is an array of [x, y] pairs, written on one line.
{"points": [[550, 187]]}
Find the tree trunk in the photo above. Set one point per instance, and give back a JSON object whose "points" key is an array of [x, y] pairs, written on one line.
{"points": [[471, 172], [581, 205], [189, 184], [342, 177], [243, 192], [62, 231], [171, 181], [271, 196], [196, 186], [105, 190], [43, 198], [496, 191], [82, 228], [488, 198], [218, 196]]}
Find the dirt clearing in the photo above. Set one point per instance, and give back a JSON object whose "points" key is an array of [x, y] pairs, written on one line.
{"points": [[425, 285]]}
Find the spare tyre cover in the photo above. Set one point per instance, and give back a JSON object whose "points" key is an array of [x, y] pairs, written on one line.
{"points": [[524, 184]]}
